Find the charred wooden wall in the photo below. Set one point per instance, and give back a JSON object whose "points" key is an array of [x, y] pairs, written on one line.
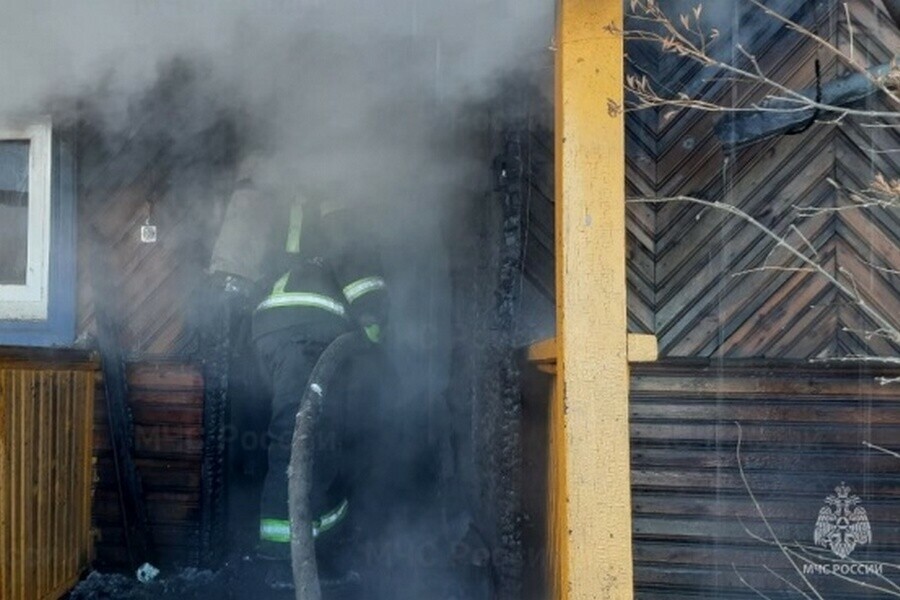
{"points": [[166, 402], [167, 163]]}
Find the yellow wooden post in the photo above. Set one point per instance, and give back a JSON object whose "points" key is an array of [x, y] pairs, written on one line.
{"points": [[594, 524]]}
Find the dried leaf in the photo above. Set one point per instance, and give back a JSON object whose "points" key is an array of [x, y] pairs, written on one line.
{"points": [[697, 10], [667, 116], [685, 22], [883, 185], [613, 108]]}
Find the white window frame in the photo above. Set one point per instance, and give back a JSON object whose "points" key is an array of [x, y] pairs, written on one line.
{"points": [[30, 302]]}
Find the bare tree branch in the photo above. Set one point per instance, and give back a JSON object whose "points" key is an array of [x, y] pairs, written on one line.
{"points": [[762, 515]]}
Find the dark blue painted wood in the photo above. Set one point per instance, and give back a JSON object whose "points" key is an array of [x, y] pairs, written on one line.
{"points": [[59, 328]]}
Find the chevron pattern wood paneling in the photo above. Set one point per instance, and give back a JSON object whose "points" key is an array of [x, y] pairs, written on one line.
{"points": [[712, 297], [694, 275], [157, 285]]}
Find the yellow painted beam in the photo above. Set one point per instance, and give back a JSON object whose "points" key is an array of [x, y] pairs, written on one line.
{"points": [[642, 347], [543, 351], [594, 524]]}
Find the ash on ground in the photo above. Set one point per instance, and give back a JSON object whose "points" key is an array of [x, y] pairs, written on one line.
{"points": [[188, 584]]}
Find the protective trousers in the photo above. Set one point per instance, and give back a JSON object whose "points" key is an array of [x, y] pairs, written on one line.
{"points": [[287, 358]]}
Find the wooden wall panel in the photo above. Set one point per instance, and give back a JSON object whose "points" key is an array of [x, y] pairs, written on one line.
{"points": [[803, 433], [46, 401], [694, 522], [175, 181], [166, 401], [712, 297], [709, 284]]}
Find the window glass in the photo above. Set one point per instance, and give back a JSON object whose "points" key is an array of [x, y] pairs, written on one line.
{"points": [[13, 211]]}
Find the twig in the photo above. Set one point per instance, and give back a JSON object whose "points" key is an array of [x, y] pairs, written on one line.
{"points": [[772, 268], [849, 29], [672, 39], [815, 553], [765, 521], [806, 241], [747, 583], [827, 45], [784, 579], [857, 358], [881, 449]]}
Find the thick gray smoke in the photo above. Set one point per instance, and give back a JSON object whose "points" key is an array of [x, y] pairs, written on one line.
{"points": [[339, 90], [354, 100]]}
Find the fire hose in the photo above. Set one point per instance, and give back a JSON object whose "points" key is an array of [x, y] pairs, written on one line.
{"points": [[300, 468]]}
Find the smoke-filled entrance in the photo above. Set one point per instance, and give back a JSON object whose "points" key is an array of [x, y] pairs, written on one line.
{"points": [[313, 209], [437, 420]]}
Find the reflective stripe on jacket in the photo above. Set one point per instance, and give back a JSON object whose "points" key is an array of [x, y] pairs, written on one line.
{"points": [[333, 275], [280, 298], [306, 296], [353, 251]]}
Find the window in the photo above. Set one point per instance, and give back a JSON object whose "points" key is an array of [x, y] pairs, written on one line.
{"points": [[37, 229], [25, 212]]}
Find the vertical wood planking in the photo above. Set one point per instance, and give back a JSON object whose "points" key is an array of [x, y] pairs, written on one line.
{"points": [[557, 496], [74, 508], [54, 435], [87, 387], [595, 523], [5, 481], [23, 443], [68, 560], [43, 560], [46, 436]]}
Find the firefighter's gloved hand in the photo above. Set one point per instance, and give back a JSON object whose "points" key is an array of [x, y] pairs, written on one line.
{"points": [[373, 332]]}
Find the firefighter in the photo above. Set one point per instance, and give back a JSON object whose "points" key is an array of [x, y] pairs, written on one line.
{"points": [[329, 283]]}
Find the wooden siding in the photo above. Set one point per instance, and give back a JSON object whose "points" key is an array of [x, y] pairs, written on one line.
{"points": [[175, 180], [704, 307], [166, 401], [685, 261], [46, 401], [803, 432], [157, 283]]}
